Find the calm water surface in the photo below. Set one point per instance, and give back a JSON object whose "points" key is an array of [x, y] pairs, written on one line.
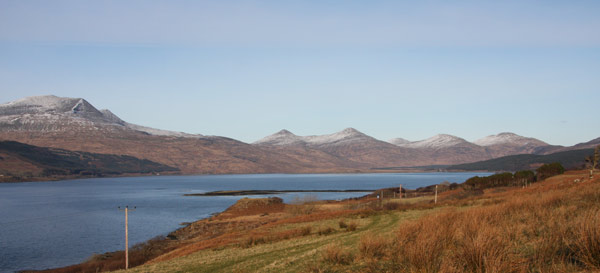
{"points": [[52, 224]]}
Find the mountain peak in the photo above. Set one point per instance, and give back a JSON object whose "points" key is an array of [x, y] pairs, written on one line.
{"points": [[284, 132], [437, 141], [399, 141], [45, 102], [52, 113], [508, 138], [350, 130], [283, 137], [53, 105]]}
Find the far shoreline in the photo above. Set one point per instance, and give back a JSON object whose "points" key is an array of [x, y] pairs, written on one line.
{"points": [[7, 179]]}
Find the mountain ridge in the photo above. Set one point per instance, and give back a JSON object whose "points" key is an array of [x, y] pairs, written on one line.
{"points": [[75, 124], [63, 112]]}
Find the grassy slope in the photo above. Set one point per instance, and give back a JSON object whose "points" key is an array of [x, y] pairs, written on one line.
{"points": [[294, 255], [551, 226], [42, 161]]}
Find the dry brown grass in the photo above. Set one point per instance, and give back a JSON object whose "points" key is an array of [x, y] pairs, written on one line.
{"points": [[337, 255], [138, 254], [587, 244], [326, 231], [352, 226], [372, 246], [553, 226]]}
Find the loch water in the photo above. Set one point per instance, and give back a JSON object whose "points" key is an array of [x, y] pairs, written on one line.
{"points": [[52, 224]]}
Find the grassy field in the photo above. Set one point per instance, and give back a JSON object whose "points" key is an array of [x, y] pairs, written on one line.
{"points": [[550, 226], [292, 255]]}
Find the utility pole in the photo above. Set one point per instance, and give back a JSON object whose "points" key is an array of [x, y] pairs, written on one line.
{"points": [[400, 191], [126, 235]]}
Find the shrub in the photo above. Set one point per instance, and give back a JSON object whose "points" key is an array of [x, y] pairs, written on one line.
{"points": [[549, 170], [527, 175], [351, 226], [420, 245], [342, 224], [336, 255], [391, 206], [305, 230], [326, 231], [482, 249], [587, 244], [253, 240], [372, 246]]}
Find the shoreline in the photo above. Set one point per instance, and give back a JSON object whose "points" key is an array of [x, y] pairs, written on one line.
{"points": [[185, 225], [372, 171], [263, 192]]}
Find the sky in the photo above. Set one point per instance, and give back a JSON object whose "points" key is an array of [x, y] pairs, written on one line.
{"points": [[247, 69]]}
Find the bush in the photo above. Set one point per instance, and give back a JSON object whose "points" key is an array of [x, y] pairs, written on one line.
{"points": [[253, 240], [392, 206], [305, 230], [587, 244], [326, 231], [372, 246], [336, 255], [549, 170], [351, 226]]}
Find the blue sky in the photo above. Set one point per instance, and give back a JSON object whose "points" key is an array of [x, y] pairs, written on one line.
{"points": [[246, 69]]}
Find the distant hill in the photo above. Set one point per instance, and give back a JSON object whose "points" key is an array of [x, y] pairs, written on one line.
{"points": [[569, 159], [22, 160], [74, 124], [504, 144]]}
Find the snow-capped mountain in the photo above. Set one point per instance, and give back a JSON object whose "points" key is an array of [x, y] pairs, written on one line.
{"points": [[435, 142], [504, 144], [75, 124], [509, 139], [286, 138], [281, 138], [447, 148], [349, 144], [399, 141], [52, 113]]}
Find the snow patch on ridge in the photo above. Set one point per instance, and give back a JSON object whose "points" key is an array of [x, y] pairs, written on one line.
{"points": [[398, 141], [285, 137], [51, 113], [346, 135], [510, 139], [437, 141]]}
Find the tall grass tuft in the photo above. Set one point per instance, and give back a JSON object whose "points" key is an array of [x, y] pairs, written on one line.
{"points": [[372, 246], [337, 255], [587, 243]]}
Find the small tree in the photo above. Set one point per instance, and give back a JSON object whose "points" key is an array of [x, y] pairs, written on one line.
{"points": [[548, 170], [525, 176]]}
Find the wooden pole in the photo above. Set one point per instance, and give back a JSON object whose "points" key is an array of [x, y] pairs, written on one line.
{"points": [[126, 240], [400, 191], [127, 235], [436, 194]]}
